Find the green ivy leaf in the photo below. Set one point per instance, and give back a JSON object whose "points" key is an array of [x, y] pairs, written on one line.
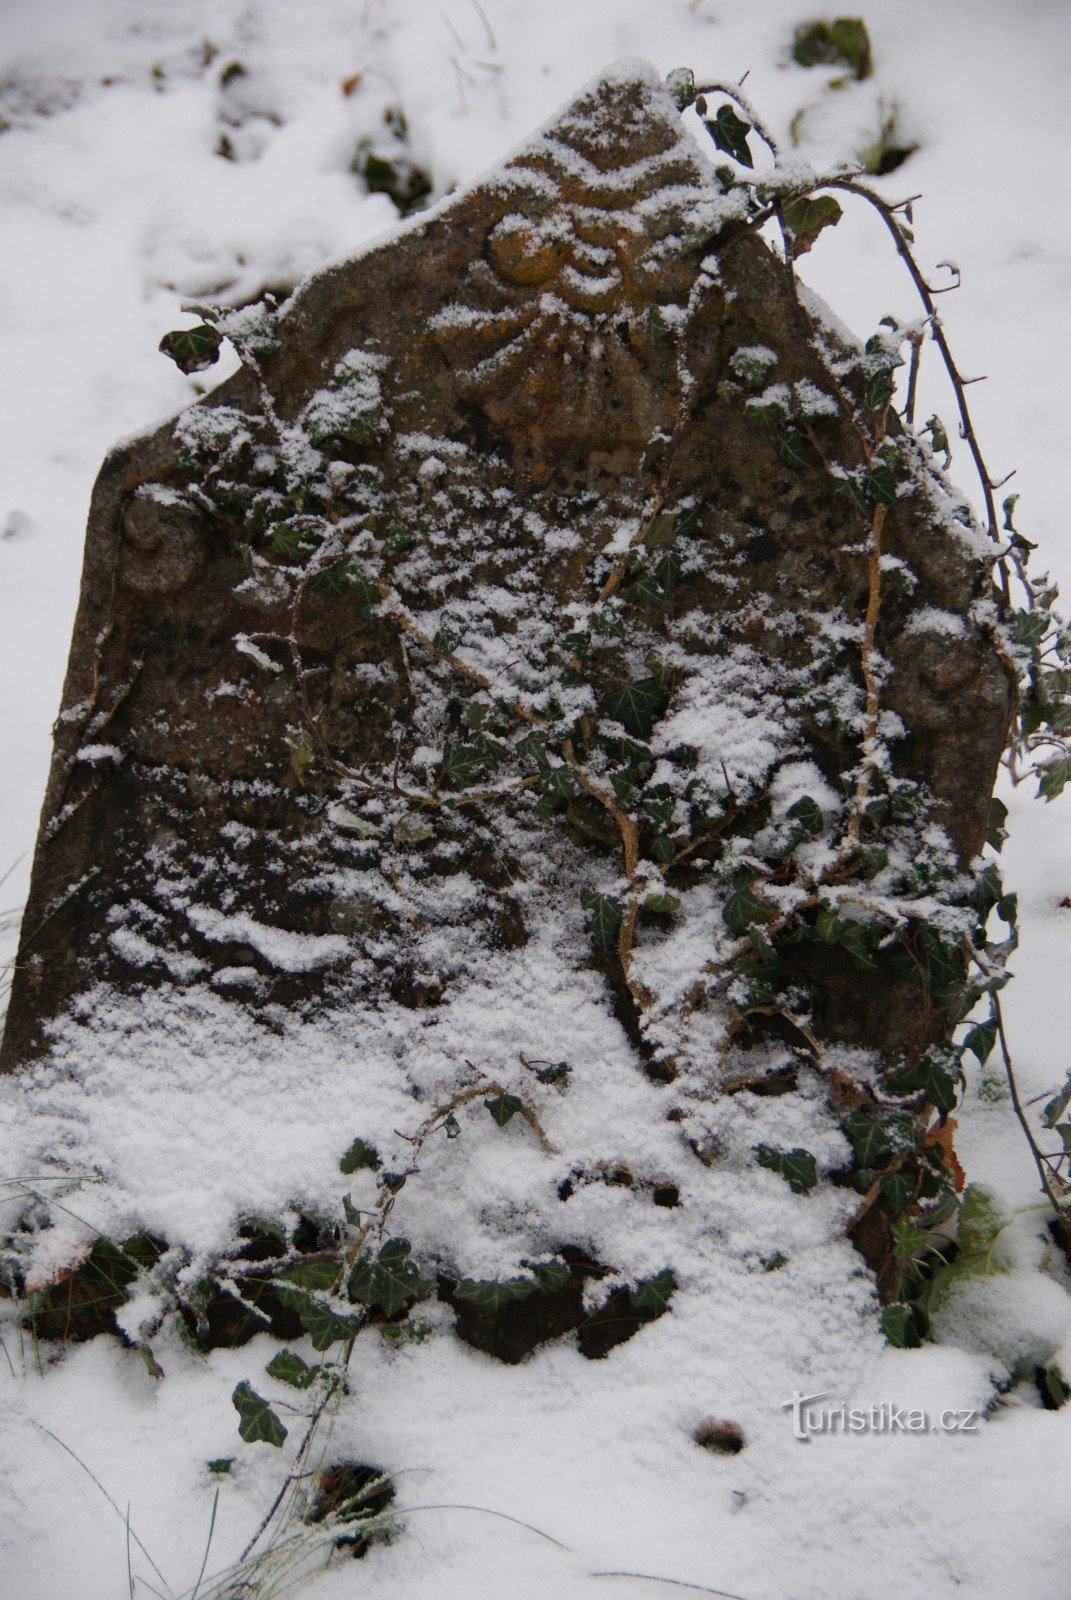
{"points": [[662, 533], [981, 1041], [606, 913], [996, 833], [798, 1167], [504, 1107], [462, 764], [898, 1189], [729, 133], [844, 42], [398, 538], [636, 706], [312, 1274], [491, 1296], [359, 1155], [323, 1325], [743, 909], [257, 1421], [662, 905], [448, 636], [1054, 778], [807, 816], [551, 1276], [556, 1075], [289, 1368], [387, 1282], [654, 1294], [192, 349], [806, 218], [832, 929], [936, 1075], [900, 1327], [868, 1138]]}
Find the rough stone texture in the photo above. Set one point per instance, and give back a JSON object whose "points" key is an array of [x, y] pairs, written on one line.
{"points": [[524, 377]]}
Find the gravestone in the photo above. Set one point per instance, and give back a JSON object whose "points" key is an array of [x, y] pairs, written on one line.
{"points": [[481, 609]]}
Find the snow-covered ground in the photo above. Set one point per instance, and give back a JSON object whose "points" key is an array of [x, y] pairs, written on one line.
{"points": [[116, 206]]}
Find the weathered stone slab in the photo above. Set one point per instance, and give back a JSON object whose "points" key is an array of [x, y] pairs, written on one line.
{"points": [[492, 481]]}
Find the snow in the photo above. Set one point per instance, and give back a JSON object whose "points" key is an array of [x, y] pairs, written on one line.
{"points": [[116, 209]]}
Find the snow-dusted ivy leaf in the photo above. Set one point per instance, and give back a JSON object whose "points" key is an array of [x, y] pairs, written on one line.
{"points": [[807, 816], [386, 1282], [797, 1167], [462, 764], [360, 1154], [556, 1074], [323, 1325], [898, 1324], [257, 1421], [791, 448], [606, 915], [289, 1368], [868, 1138], [744, 909], [636, 706], [654, 1294], [320, 1274], [491, 1295], [663, 905], [503, 1107], [551, 1276]]}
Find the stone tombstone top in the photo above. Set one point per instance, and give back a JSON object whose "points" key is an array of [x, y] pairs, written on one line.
{"points": [[483, 524]]}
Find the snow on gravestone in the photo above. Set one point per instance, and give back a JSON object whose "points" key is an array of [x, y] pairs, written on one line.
{"points": [[476, 632]]}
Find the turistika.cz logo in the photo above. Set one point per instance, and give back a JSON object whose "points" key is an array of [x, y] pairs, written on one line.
{"points": [[810, 1417]]}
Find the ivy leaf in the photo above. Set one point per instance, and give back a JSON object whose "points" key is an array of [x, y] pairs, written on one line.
{"points": [[388, 1281], [448, 636], [807, 815], [257, 1421], [899, 1325], [462, 764], [606, 914], [996, 833], [323, 1325], [556, 1075], [936, 1075], [289, 1368], [868, 1138], [898, 1189], [359, 1155], [492, 1296], [743, 908], [312, 1274], [551, 1276], [1054, 778], [192, 349], [806, 218], [797, 1167], [881, 484], [662, 533], [662, 905], [981, 1041], [729, 133], [504, 1107], [832, 929], [791, 448], [654, 1294]]}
